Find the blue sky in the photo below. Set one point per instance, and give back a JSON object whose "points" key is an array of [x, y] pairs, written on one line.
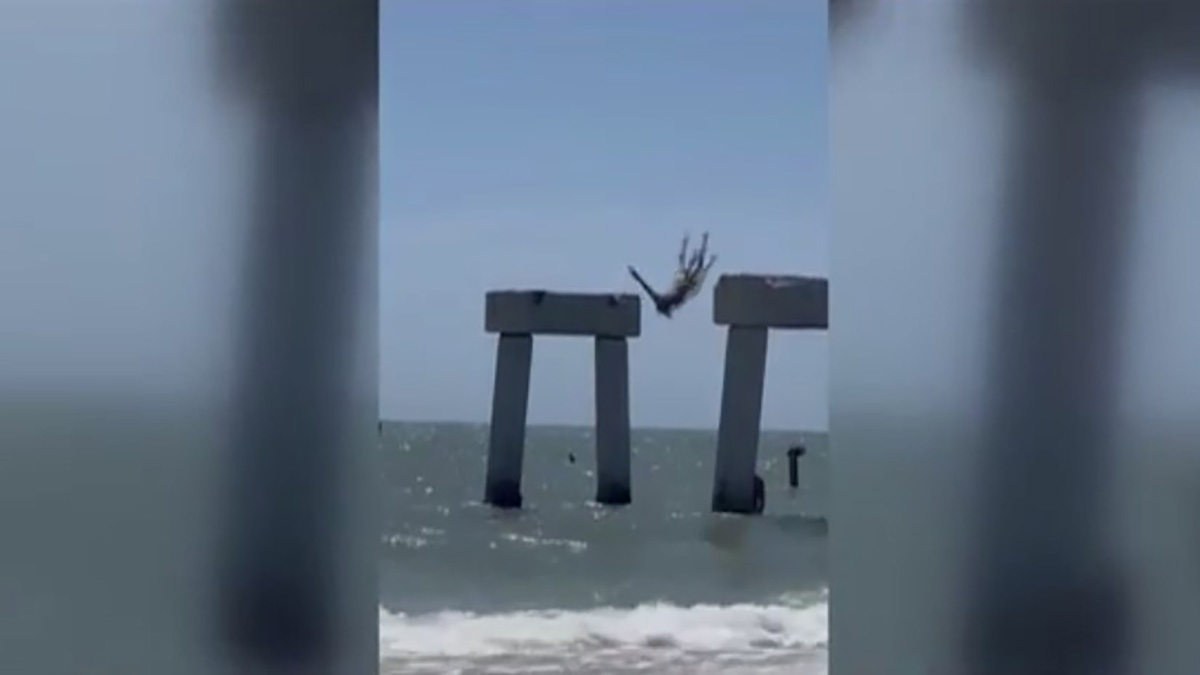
{"points": [[549, 144]]}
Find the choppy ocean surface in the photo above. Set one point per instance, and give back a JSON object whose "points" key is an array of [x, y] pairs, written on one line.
{"points": [[661, 586]]}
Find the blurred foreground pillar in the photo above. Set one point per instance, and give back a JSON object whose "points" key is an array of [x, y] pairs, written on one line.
{"points": [[1028, 581], [1045, 597], [1048, 595], [297, 590]]}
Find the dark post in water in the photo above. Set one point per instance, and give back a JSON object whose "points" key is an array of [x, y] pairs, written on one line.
{"points": [[794, 454]]}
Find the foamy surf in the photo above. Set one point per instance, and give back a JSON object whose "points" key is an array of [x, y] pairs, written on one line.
{"points": [[789, 636]]}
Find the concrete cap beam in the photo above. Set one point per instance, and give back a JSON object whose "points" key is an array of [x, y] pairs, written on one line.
{"points": [[754, 300], [547, 313]]}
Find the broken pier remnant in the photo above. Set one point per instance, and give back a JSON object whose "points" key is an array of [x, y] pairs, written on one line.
{"points": [[752, 305], [516, 316]]}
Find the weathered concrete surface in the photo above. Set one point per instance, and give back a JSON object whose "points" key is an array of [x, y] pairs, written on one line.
{"points": [[613, 460], [519, 315], [771, 301], [510, 405], [547, 313], [751, 305], [741, 412]]}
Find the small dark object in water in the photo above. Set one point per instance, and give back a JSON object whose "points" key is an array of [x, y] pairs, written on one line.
{"points": [[794, 454], [505, 495], [760, 494], [571, 457]]}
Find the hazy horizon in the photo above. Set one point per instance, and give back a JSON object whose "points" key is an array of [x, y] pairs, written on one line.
{"points": [[587, 425]]}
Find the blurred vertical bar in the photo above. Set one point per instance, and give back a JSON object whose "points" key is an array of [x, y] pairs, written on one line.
{"points": [[187, 210], [310, 71], [1046, 595], [1004, 137], [910, 146]]}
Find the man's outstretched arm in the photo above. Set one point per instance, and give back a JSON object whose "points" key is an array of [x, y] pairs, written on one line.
{"points": [[693, 267], [645, 286]]}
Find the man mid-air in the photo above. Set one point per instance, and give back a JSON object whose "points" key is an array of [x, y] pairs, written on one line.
{"points": [[689, 278]]}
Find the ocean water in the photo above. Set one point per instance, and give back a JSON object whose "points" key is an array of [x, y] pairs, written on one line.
{"points": [[564, 585]]}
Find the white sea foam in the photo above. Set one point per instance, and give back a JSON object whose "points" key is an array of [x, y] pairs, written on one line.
{"points": [[792, 631]]}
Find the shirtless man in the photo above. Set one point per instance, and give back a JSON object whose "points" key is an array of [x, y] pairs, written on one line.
{"points": [[689, 278]]}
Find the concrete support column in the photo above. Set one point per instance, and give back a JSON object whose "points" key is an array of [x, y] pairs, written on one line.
{"points": [[741, 413], [613, 461], [750, 305], [510, 404], [519, 315]]}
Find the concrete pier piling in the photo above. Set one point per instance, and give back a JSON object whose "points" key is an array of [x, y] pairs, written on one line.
{"points": [[517, 316], [741, 412], [510, 404], [750, 306], [613, 461]]}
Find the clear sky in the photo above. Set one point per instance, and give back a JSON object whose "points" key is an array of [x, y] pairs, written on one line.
{"points": [[548, 144]]}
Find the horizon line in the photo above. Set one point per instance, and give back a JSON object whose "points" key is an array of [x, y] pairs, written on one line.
{"points": [[585, 425]]}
